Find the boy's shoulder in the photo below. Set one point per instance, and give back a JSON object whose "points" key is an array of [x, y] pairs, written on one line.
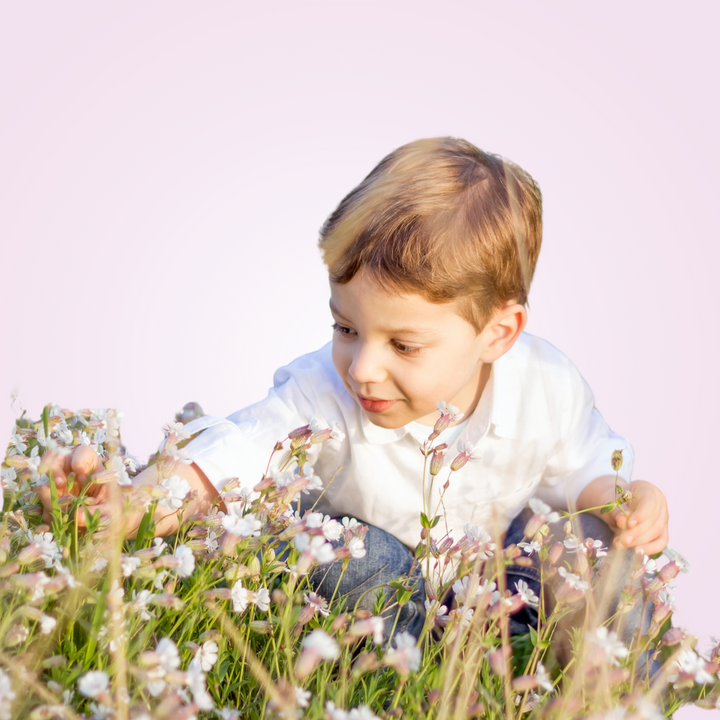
{"points": [[315, 375], [533, 353], [536, 383]]}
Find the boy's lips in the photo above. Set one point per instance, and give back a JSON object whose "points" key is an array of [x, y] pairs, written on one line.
{"points": [[374, 405]]}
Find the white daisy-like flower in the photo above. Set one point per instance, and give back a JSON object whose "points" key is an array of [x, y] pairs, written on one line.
{"points": [[168, 655], [129, 564], [187, 561], [302, 697], [177, 489], [92, 683], [356, 546], [47, 624], [331, 528], [527, 593], [321, 644], [7, 695], [245, 526], [405, 656], [206, 656]]}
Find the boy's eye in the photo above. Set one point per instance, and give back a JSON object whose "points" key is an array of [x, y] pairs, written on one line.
{"points": [[341, 329], [406, 349]]}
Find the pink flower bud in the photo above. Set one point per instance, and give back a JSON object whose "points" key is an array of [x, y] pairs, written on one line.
{"points": [[533, 525], [567, 527], [460, 461], [668, 572], [662, 613], [321, 437], [9, 570], [301, 433], [555, 553], [674, 636], [29, 554], [445, 545], [523, 683], [442, 423], [438, 457], [498, 660]]}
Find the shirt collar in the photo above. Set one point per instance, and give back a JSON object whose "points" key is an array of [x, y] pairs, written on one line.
{"points": [[497, 409]]}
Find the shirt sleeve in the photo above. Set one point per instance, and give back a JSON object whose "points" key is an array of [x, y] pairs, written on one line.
{"points": [[584, 446], [240, 445]]}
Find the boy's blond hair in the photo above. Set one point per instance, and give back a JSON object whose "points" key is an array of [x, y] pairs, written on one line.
{"points": [[443, 219]]}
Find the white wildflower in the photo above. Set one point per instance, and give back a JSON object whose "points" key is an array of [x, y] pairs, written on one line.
{"points": [[689, 663], [530, 547], [449, 409], [405, 656], [49, 549], [8, 476], [211, 542], [177, 489], [315, 547], [245, 526], [611, 648], [118, 467], [302, 697], [332, 529], [262, 599], [240, 596], [196, 683], [187, 561], [321, 644], [140, 604], [206, 656], [374, 626], [93, 683], [319, 603], [129, 564], [47, 624], [543, 509], [356, 546], [542, 678], [168, 656], [573, 580], [98, 565], [527, 593], [7, 695], [675, 556]]}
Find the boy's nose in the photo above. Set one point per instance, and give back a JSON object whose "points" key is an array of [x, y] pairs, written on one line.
{"points": [[366, 366]]}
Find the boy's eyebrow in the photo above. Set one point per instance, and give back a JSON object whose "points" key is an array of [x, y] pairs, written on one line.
{"points": [[390, 330]]}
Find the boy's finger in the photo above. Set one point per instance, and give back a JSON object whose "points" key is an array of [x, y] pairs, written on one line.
{"points": [[642, 533], [85, 460], [657, 545], [649, 532]]}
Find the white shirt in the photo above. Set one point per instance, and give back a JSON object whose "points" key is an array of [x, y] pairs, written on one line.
{"points": [[536, 433]]}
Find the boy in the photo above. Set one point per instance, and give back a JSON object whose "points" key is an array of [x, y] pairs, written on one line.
{"points": [[430, 261]]}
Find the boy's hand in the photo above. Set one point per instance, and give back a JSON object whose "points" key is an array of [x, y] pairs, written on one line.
{"points": [[82, 461], [646, 525]]}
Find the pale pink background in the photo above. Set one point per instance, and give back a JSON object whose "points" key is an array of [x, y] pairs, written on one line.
{"points": [[165, 168]]}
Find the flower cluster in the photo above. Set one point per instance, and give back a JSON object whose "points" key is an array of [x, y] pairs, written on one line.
{"points": [[226, 619]]}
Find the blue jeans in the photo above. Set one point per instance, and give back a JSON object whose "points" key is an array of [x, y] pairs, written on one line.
{"points": [[387, 558]]}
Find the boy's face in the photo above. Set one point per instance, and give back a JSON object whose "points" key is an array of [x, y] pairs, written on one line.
{"points": [[399, 354]]}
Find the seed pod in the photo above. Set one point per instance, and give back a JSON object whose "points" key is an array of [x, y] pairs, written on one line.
{"points": [[617, 460]]}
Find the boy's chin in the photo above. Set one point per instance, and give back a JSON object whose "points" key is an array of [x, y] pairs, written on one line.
{"points": [[387, 421]]}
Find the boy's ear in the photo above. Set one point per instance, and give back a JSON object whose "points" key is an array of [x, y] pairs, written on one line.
{"points": [[502, 331]]}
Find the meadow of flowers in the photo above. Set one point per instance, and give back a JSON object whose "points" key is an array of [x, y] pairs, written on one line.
{"points": [[220, 620]]}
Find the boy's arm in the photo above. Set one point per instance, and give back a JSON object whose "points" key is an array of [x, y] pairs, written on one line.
{"points": [[109, 499], [644, 522]]}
